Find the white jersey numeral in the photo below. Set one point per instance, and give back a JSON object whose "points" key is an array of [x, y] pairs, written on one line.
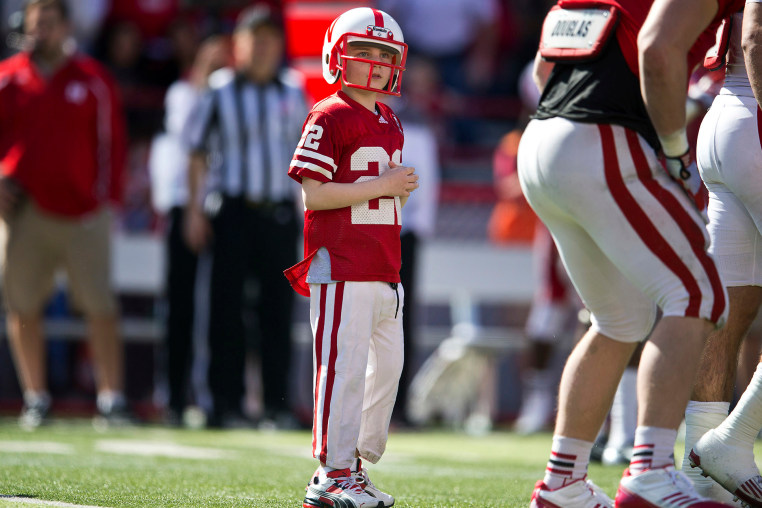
{"points": [[312, 133], [385, 210]]}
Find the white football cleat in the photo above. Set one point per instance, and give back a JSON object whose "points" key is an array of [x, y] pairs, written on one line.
{"points": [[707, 487], [363, 480], [578, 494], [732, 467], [663, 487], [338, 489]]}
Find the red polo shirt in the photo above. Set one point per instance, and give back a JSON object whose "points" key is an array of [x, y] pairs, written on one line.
{"points": [[62, 138]]}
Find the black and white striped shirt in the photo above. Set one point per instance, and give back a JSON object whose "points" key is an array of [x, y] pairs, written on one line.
{"points": [[250, 132]]}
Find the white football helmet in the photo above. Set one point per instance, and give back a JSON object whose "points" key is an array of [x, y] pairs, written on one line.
{"points": [[369, 25]]}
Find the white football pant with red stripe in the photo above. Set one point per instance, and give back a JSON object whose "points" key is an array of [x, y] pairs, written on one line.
{"points": [[357, 362], [627, 233]]}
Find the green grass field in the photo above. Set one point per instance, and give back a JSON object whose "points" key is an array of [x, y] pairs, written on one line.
{"points": [[69, 462]]}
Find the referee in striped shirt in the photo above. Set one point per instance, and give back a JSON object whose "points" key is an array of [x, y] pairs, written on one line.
{"points": [[242, 205]]}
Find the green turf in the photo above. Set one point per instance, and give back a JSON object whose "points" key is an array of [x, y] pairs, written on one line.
{"points": [[70, 462]]}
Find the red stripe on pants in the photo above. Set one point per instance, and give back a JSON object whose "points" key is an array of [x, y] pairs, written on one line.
{"points": [[318, 364], [331, 374], [640, 222], [687, 225]]}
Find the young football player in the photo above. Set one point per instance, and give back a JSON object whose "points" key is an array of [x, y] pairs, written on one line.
{"points": [[354, 186]]}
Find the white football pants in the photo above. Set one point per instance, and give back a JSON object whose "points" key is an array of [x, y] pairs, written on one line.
{"points": [[627, 234], [729, 157], [357, 362]]}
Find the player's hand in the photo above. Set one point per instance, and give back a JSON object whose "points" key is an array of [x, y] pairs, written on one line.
{"points": [[684, 171], [399, 180], [196, 229]]}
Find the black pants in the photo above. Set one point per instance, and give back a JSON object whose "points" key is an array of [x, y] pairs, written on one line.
{"points": [[252, 246], [181, 282], [409, 246]]}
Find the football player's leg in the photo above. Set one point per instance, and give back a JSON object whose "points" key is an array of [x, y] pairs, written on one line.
{"points": [[385, 358], [341, 315]]}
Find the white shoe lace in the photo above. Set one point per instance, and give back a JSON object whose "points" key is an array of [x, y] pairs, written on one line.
{"points": [[348, 484]]}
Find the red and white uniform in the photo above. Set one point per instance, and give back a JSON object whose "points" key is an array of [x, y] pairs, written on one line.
{"points": [[628, 235], [729, 157], [357, 317], [71, 163]]}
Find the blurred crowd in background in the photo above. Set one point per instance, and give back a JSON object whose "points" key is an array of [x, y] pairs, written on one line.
{"points": [[471, 97], [461, 95]]}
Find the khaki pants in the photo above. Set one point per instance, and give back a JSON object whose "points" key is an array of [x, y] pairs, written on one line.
{"points": [[38, 244]]}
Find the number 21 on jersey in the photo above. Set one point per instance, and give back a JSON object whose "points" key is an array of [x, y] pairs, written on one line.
{"points": [[386, 210]]}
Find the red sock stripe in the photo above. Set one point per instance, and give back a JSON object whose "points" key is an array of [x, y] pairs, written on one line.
{"points": [[562, 472], [318, 365], [688, 226], [338, 300], [640, 222], [566, 456]]}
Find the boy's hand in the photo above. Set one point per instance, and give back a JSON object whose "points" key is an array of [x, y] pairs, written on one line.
{"points": [[399, 180]]}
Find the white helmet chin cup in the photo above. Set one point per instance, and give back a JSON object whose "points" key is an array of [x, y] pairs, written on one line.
{"points": [[364, 24]]}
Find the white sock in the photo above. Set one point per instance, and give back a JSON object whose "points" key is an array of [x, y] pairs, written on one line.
{"points": [[568, 461], [107, 399], [624, 411], [323, 470], [654, 447], [700, 418], [32, 398], [744, 423]]}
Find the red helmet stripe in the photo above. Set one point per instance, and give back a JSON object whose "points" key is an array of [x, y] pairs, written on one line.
{"points": [[379, 17]]}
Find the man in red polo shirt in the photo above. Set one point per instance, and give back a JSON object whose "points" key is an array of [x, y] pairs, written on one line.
{"points": [[62, 152]]}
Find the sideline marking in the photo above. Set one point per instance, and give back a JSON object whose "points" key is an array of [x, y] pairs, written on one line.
{"points": [[152, 448], [30, 500], [36, 447]]}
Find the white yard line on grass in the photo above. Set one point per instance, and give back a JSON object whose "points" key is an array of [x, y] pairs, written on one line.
{"points": [[28, 500], [151, 448], [36, 447]]}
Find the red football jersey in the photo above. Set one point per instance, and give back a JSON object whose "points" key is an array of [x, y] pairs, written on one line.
{"points": [[344, 142], [633, 14], [62, 138]]}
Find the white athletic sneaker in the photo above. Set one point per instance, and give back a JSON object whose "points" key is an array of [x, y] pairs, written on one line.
{"points": [[338, 489], [363, 480], [578, 494], [731, 466], [707, 487], [663, 487]]}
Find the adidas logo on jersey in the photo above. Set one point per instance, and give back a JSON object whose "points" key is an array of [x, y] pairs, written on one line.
{"points": [[381, 119]]}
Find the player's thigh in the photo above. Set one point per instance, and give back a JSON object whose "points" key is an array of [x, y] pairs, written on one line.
{"points": [[88, 264], [607, 180], [386, 348], [33, 251], [618, 308], [342, 316]]}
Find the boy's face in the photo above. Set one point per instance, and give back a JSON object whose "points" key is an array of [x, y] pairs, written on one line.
{"points": [[357, 72]]}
